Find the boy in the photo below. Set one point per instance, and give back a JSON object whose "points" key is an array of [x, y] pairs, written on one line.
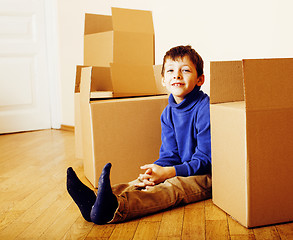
{"points": [[181, 175]]}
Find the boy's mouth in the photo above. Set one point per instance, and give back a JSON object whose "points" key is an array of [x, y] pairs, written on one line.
{"points": [[177, 84]]}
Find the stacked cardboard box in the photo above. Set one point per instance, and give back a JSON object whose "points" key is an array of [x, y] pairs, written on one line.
{"points": [[252, 143], [122, 124]]}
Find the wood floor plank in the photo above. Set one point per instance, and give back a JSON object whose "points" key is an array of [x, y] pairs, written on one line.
{"points": [[62, 224], [51, 198], [172, 223], [13, 230], [242, 237], [217, 229], [237, 229], [194, 221], [212, 212], [169, 238], [147, 230], [285, 231], [157, 217], [8, 218], [124, 230], [100, 232], [41, 224], [21, 201], [79, 229], [266, 233]]}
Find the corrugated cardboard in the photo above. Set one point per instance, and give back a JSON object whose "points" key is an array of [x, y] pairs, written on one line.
{"points": [[252, 144], [101, 80], [125, 128], [123, 131], [126, 37]]}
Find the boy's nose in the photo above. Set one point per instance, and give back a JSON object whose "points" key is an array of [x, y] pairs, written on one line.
{"points": [[177, 76]]}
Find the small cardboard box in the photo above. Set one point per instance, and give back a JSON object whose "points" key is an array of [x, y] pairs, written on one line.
{"points": [[126, 37], [252, 143], [123, 129]]}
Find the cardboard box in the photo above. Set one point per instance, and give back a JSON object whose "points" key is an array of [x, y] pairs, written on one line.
{"points": [[126, 37], [101, 80], [124, 130], [252, 143]]}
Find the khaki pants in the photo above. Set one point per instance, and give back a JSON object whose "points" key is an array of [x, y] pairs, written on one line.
{"points": [[134, 202]]}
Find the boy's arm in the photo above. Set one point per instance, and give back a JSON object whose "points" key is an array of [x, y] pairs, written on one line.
{"points": [[200, 162], [163, 168], [169, 161], [169, 155]]}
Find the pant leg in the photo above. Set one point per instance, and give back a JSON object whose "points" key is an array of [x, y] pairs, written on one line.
{"points": [[118, 189], [134, 202]]}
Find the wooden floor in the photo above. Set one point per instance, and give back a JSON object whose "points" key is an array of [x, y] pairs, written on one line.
{"points": [[35, 205]]}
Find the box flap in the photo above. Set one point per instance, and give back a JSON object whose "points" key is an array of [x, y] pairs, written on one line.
{"points": [[133, 79], [100, 79], [128, 20], [133, 48], [77, 78], [98, 49], [95, 23], [226, 82], [268, 83], [158, 79], [86, 124]]}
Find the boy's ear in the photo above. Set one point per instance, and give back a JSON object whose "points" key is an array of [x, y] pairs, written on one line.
{"points": [[163, 82], [200, 80]]}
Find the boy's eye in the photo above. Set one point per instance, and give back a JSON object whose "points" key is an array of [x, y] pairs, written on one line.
{"points": [[185, 70], [169, 70]]}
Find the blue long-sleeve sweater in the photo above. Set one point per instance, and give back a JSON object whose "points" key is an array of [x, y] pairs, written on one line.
{"points": [[186, 141]]}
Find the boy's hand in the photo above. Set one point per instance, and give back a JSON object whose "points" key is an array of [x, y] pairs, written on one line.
{"points": [[155, 174]]}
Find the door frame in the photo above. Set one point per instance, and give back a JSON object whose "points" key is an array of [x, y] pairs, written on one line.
{"points": [[51, 19]]}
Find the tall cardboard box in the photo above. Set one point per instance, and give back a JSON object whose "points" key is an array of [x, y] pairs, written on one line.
{"points": [[252, 143], [124, 129], [120, 47]]}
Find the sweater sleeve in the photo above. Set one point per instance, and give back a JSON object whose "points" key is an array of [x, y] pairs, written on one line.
{"points": [[200, 162], [169, 155]]}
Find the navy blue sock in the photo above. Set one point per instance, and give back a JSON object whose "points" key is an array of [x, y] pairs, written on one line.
{"points": [[106, 202], [83, 196]]}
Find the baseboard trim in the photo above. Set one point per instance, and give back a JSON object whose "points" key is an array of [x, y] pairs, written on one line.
{"points": [[67, 128]]}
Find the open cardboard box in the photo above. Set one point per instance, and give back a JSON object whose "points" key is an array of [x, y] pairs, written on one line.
{"points": [[252, 139], [126, 37], [124, 129]]}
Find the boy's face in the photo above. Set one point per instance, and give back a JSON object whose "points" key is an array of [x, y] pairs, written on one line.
{"points": [[180, 77]]}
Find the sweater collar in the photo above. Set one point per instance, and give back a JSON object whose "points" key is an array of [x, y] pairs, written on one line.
{"points": [[189, 100]]}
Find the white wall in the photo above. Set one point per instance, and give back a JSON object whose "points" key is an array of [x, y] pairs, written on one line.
{"points": [[218, 30]]}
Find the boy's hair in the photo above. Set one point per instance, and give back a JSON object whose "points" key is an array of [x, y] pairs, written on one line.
{"points": [[182, 51]]}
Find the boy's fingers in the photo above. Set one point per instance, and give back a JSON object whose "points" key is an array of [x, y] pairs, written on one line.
{"points": [[148, 187], [147, 166], [148, 183], [144, 176], [140, 184], [144, 183]]}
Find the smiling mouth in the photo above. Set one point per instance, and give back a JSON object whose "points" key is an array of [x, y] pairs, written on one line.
{"points": [[177, 84]]}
